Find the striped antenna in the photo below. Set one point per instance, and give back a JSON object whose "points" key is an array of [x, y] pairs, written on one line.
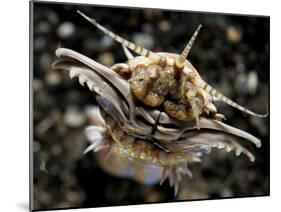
{"points": [[228, 101], [188, 47], [127, 52], [137, 49]]}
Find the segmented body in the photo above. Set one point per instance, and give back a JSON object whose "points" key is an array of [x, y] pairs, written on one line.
{"points": [[142, 150]]}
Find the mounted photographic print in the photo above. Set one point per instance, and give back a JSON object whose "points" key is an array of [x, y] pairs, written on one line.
{"points": [[136, 105]]}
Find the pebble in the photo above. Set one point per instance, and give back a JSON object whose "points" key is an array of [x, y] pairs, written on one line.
{"points": [[39, 42], [43, 27], [233, 34], [45, 198], [106, 59], [72, 196], [53, 78], [106, 42], [252, 82], [37, 84], [52, 17], [143, 39], [44, 126], [226, 192], [73, 117], [66, 29], [165, 25]]}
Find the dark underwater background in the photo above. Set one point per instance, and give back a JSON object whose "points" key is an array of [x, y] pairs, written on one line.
{"points": [[231, 53]]}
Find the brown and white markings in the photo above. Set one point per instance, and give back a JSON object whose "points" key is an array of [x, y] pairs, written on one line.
{"points": [[155, 109]]}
